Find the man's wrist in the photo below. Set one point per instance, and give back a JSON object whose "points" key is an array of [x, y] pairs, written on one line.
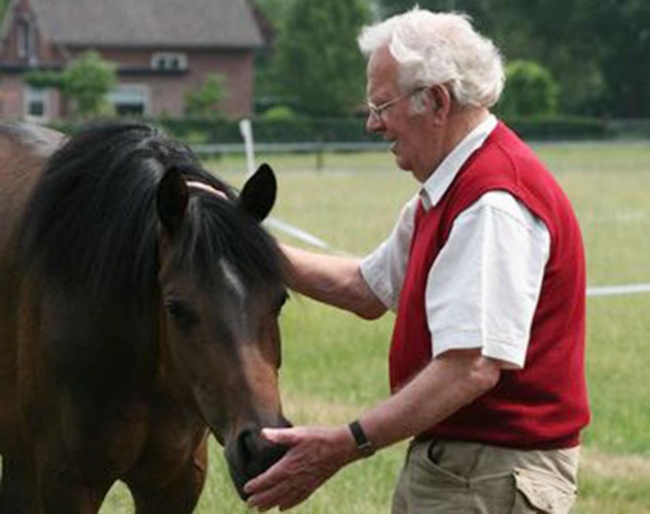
{"points": [[364, 446]]}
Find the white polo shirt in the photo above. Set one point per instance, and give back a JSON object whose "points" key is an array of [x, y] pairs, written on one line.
{"points": [[484, 285]]}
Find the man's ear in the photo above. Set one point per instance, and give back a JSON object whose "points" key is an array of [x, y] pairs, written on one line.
{"points": [[258, 194], [440, 99], [171, 199]]}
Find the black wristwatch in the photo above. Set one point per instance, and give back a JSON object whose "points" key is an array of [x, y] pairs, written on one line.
{"points": [[364, 446]]}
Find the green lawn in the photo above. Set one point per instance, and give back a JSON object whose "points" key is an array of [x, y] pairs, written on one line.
{"points": [[335, 365]]}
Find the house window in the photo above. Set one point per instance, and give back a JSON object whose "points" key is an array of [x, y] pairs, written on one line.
{"points": [[36, 105], [169, 61], [24, 40], [130, 99]]}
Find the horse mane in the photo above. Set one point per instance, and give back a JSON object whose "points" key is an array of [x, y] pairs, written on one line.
{"points": [[91, 227]]}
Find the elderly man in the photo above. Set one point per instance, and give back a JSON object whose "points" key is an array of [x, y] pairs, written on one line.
{"points": [[485, 270]]}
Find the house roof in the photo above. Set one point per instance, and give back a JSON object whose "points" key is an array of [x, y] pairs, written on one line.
{"points": [[145, 23]]}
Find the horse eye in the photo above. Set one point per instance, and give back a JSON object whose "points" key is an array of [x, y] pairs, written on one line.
{"points": [[182, 313]]}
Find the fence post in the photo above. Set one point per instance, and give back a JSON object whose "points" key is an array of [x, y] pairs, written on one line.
{"points": [[320, 155]]}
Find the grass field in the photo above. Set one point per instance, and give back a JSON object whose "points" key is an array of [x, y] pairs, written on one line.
{"points": [[335, 365]]}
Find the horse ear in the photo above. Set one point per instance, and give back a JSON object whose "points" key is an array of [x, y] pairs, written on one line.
{"points": [[258, 195], [171, 199]]}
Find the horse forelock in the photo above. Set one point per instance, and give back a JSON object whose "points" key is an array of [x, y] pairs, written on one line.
{"points": [[218, 232]]}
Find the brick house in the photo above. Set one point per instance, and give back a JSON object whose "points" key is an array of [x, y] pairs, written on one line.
{"points": [[161, 48]]}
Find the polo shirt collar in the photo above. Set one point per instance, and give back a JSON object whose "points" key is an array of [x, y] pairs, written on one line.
{"points": [[437, 184]]}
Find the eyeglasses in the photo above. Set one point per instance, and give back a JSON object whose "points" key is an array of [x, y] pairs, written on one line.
{"points": [[375, 111]]}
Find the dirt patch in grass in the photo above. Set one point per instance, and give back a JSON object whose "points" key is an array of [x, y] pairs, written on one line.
{"points": [[303, 409], [607, 465]]}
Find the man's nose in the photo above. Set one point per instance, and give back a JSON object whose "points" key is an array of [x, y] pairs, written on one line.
{"points": [[374, 123]]}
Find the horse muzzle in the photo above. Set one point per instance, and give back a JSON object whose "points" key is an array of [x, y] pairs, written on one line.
{"points": [[249, 455]]}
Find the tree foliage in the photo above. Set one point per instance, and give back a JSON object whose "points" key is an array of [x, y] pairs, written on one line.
{"points": [[597, 49], [206, 101], [45, 79], [620, 37], [317, 62], [275, 10], [85, 82]]}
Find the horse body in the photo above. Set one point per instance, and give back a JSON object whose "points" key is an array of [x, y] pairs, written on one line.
{"points": [[23, 151], [139, 315]]}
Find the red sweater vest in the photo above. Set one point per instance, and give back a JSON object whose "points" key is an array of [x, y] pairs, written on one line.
{"points": [[543, 406]]}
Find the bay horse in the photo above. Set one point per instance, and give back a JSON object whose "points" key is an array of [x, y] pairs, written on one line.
{"points": [[139, 303]]}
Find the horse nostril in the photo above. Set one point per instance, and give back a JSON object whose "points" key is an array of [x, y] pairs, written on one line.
{"points": [[251, 455], [247, 444]]}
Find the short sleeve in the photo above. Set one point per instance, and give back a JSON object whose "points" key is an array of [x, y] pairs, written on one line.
{"points": [[384, 268], [483, 288]]}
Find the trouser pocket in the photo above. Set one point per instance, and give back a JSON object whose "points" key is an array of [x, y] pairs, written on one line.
{"points": [[542, 492], [444, 478]]}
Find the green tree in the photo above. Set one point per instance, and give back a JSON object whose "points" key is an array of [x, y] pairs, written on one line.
{"points": [[479, 10], [317, 62], [268, 89], [597, 49], [86, 82], [206, 100], [3, 7], [275, 11], [619, 35], [530, 90]]}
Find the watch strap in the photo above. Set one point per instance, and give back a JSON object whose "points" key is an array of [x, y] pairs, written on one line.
{"points": [[364, 446]]}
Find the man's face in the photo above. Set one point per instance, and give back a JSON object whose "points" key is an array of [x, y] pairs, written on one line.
{"points": [[408, 132]]}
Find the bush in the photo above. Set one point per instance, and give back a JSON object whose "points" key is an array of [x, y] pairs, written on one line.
{"points": [[279, 113], [530, 91]]}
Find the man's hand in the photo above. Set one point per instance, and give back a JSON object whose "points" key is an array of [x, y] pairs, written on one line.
{"points": [[314, 455]]}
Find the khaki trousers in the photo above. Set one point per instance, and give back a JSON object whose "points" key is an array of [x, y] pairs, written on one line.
{"points": [[445, 477]]}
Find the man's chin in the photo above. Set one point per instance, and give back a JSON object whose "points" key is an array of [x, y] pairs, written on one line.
{"points": [[402, 164]]}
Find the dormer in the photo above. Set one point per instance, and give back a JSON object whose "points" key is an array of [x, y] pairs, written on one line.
{"points": [[169, 61], [19, 33]]}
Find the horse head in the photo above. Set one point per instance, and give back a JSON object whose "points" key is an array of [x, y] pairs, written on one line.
{"points": [[221, 282]]}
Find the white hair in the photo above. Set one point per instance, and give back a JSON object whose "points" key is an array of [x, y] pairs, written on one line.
{"points": [[440, 48]]}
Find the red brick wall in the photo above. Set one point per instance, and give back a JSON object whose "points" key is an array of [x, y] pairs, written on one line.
{"points": [[166, 91]]}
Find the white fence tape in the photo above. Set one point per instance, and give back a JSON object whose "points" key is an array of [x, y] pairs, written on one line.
{"points": [[296, 232], [618, 290]]}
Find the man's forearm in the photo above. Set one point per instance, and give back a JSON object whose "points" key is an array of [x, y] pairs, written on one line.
{"points": [[443, 387], [333, 280]]}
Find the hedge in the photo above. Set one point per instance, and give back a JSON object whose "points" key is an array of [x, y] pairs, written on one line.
{"points": [[560, 128], [303, 129], [296, 130]]}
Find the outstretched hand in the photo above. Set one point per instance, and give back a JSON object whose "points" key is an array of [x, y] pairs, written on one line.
{"points": [[314, 455]]}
